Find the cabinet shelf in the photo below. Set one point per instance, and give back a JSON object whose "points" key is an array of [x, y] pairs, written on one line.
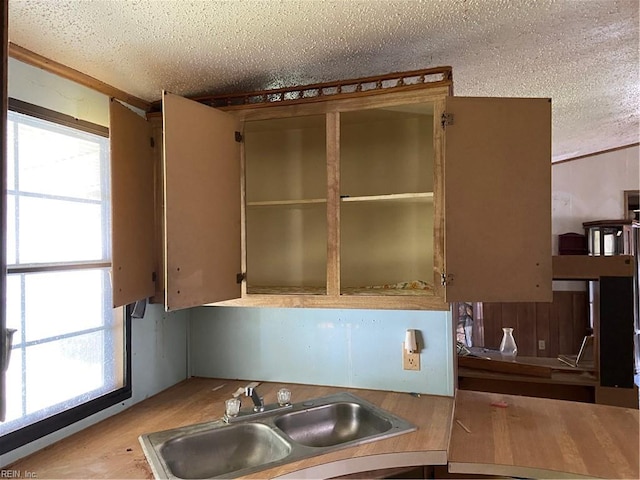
{"points": [[361, 291], [280, 290], [393, 197], [272, 203]]}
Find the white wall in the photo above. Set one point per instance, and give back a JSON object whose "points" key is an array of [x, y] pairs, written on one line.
{"points": [[159, 340], [592, 188], [34, 85]]}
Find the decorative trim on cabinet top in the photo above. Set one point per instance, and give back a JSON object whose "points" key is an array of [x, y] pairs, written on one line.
{"points": [[391, 82]]}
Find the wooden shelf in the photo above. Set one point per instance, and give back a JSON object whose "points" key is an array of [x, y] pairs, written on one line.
{"points": [[384, 291], [378, 291], [271, 290], [272, 203], [586, 267], [393, 197]]}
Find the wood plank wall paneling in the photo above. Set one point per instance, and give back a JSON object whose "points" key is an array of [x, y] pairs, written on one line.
{"points": [[580, 316], [526, 328], [561, 324], [492, 321], [543, 327], [562, 314]]}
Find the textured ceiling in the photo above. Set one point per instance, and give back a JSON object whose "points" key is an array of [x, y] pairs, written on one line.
{"points": [[581, 53]]}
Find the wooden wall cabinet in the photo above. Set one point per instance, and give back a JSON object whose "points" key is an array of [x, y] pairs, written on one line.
{"points": [[346, 202]]}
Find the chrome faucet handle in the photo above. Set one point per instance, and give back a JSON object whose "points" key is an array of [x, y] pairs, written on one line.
{"points": [[232, 407], [258, 401], [284, 397]]}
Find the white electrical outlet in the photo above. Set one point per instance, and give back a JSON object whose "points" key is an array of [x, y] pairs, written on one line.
{"points": [[410, 361], [542, 345]]}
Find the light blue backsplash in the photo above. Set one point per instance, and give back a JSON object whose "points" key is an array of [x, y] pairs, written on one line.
{"points": [[346, 348]]}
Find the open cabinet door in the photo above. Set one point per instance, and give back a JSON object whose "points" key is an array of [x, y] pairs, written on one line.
{"points": [[202, 203], [497, 180], [132, 205]]}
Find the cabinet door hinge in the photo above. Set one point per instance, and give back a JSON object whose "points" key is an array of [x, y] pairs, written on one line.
{"points": [[152, 142], [239, 137], [446, 279], [240, 277], [446, 119]]}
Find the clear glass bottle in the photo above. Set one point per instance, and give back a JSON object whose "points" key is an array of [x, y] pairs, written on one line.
{"points": [[508, 347]]}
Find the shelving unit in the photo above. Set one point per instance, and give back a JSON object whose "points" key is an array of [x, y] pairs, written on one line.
{"points": [[385, 212], [613, 325]]}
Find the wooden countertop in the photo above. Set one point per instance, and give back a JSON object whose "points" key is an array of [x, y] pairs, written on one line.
{"points": [[110, 449], [542, 438], [531, 437]]}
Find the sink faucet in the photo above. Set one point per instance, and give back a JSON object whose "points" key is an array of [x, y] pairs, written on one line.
{"points": [[258, 401], [259, 408]]}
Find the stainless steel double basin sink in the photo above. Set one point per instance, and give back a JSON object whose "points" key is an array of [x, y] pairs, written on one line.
{"points": [[227, 450]]}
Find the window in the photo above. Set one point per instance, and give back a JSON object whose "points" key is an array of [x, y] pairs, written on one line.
{"points": [[69, 357]]}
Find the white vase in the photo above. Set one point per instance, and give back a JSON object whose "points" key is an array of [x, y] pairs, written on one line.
{"points": [[508, 347]]}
